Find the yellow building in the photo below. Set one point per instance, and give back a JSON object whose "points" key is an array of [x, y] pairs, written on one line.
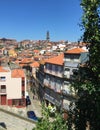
{"points": [[12, 53]]}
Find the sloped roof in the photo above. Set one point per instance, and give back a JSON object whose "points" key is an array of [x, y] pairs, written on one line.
{"points": [[17, 73], [58, 60], [36, 51], [2, 69], [43, 61], [34, 64], [75, 51], [26, 60]]}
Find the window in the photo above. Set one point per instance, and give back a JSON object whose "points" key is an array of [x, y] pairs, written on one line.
{"points": [[67, 56], [60, 69], [3, 88], [75, 71], [15, 102], [48, 77], [72, 57], [47, 66], [23, 82], [53, 67], [66, 87], [58, 85], [67, 69], [56, 69], [50, 66], [23, 93], [2, 78], [18, 102]]}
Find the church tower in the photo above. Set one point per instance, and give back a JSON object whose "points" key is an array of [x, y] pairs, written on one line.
{"points": [[47, 36]]}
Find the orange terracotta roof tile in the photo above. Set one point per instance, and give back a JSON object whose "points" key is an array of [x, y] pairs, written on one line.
{"points": [[34, 64], [26, 60], [21, 65], [58, 60], [2, 69], [43, 61], [75, 51], [17, 73], [36, 51]]}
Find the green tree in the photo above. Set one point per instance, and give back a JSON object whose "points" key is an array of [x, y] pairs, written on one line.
{"points": [[87, 110], [48, 123]]}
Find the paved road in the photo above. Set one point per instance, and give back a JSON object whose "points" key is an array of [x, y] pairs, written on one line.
{"points": [[14, 123], [35, 105]]}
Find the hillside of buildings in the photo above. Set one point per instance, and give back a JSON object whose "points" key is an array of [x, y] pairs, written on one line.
{"points": [[44, 68]]}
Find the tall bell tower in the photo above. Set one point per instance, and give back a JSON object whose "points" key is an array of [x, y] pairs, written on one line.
{"points": [[47, 36]]}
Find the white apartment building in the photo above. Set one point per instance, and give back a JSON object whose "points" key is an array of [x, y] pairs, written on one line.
{"points": [[12, 87]]}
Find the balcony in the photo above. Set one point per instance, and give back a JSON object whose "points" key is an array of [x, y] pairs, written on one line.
{"points": [[71, 63], [55, 73], [46, 83], [70, 94], [66, 92]]}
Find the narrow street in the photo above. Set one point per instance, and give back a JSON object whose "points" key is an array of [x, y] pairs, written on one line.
{"points": [[35, 105]]}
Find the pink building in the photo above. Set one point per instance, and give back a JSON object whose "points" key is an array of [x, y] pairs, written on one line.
{"points": [[12, 87]]}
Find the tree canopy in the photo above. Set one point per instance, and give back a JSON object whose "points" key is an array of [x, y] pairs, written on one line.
{"points": [[87, 111]]}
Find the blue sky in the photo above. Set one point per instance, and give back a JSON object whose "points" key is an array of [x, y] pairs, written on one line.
{"points": [[31, 19]]}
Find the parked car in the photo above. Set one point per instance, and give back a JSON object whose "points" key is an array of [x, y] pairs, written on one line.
{"points": [[28, 101], [32, 115]]}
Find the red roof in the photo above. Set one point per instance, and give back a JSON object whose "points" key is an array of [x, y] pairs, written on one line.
{"points": [[34, 64], [26, 60], [58, 60], [36, 51], [17, 73], [2, 69], [75, 51]]}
